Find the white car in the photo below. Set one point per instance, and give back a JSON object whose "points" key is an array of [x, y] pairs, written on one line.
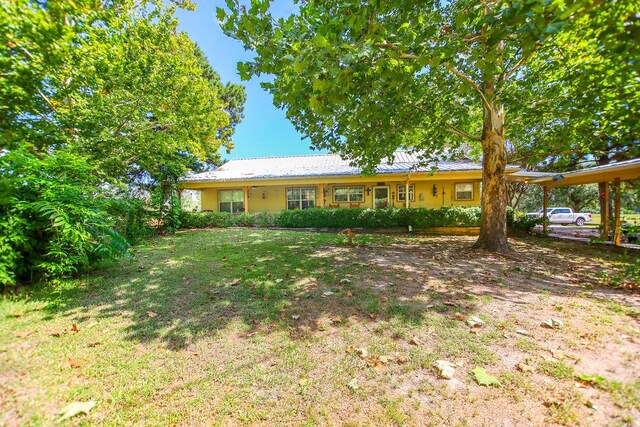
{"points": [[564, 216]]}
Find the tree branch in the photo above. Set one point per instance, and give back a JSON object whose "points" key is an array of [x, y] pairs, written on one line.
{"points": [[517, 65], [461, 133], [471, 83], [47, 100]]}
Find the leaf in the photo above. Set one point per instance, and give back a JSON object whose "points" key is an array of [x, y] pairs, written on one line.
{"points": [[446, 369], [482, 378], [349, 294], [415, 341], [353, 384], [523, 367], [24, 334], [151, 314], [74, 363], [553, 323], [74, 328], [75, 408]]}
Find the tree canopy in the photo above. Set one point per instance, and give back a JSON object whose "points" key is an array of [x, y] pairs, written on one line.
{"points": [[96, 98], [366, 78]]}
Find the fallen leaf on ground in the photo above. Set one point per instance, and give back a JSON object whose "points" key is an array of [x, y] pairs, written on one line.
{"points": [[234, 282], [336, 320], [482, 378], [523, 367], [74, 363], [303, 381], [75, 408], [415, 341], [523, 332], [151, 314], [458, 316], [446, 369], [345, 281], [349, 293], [402, 359], [362, 352], [553, 323], [475, 322], [74, 328], [23, 334], [327, 293], [58, 333], [95, 344], [16, 314], [353, 384], [295, 316], [450, 303]]}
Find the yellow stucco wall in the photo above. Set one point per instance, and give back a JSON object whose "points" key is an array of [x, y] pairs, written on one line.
{"points": [[265, 196]]}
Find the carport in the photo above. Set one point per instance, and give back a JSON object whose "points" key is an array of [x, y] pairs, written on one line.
{"points": [[609, 174]]}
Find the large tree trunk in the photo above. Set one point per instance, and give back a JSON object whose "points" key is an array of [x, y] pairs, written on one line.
{"points": [[493, 230]]}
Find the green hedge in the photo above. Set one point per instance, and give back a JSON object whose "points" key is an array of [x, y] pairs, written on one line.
{"points": [[339, 218]]}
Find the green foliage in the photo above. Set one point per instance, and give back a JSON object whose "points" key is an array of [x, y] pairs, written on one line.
{"points": [[524, 224], [54, 223], [132, 217], [338, 218], [446, 78], [103, 106]]}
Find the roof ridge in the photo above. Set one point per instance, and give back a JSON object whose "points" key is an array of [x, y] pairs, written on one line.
{"points": [[302, 155]]}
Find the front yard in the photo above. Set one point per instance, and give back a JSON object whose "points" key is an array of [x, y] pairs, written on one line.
{"points": [[227, 327]]}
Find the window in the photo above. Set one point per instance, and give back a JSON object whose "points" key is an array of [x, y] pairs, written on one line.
{"points": [[301, 198], [464, 191], [348, 194], [401, 189], [232, 201]]}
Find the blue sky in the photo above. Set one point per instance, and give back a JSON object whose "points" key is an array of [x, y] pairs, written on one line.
{"points": [[265, 131]]}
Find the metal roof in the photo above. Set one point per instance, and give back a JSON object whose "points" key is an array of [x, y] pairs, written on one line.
{"points": [[626, 170], [321, 165]]}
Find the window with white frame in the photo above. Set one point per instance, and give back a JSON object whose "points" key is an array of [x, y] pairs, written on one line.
{"points": [[401, 190], [348, 194], [231, 201], [464, 191], [301, 198]]}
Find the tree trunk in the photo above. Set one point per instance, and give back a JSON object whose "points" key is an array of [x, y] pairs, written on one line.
{"points": [[493, 230]]}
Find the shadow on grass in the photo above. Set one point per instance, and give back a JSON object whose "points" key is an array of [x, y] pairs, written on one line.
{"points": [[192, 285]]}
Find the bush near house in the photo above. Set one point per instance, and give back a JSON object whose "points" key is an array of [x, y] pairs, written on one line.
{"points": [[339, 218]]}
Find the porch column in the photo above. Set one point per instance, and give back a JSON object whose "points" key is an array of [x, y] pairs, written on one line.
{"points": [[545, 194], [616, 213], [604, 216], [406, 194], [322, 195], [246, 199]]}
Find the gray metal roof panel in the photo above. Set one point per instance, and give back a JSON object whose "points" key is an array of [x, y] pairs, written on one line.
{"points": [[319, 165]]}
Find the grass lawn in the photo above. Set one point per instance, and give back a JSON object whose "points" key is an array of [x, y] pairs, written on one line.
{"points": [[232, 327]]}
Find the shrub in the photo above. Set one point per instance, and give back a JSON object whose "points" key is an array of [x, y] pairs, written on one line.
{"points": [[53, 222], [339, 218], [523, 224]]}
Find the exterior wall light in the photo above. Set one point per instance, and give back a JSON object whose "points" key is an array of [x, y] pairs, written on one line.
{"points": [[435, 191]]}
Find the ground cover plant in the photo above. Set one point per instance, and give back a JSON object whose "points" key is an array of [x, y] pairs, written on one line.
{"points": [[246, 326]]}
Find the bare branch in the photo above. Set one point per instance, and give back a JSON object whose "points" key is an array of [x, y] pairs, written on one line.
{"points": [[471, 83]]}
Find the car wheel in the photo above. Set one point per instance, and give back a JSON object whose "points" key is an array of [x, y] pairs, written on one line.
{"points": [[565, 224], [580, 222]]}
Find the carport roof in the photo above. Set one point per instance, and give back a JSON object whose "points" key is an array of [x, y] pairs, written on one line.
{"points": [[626, 170]]}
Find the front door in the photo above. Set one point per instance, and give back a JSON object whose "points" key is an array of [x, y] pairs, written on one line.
{"points": [[380, 197]]}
